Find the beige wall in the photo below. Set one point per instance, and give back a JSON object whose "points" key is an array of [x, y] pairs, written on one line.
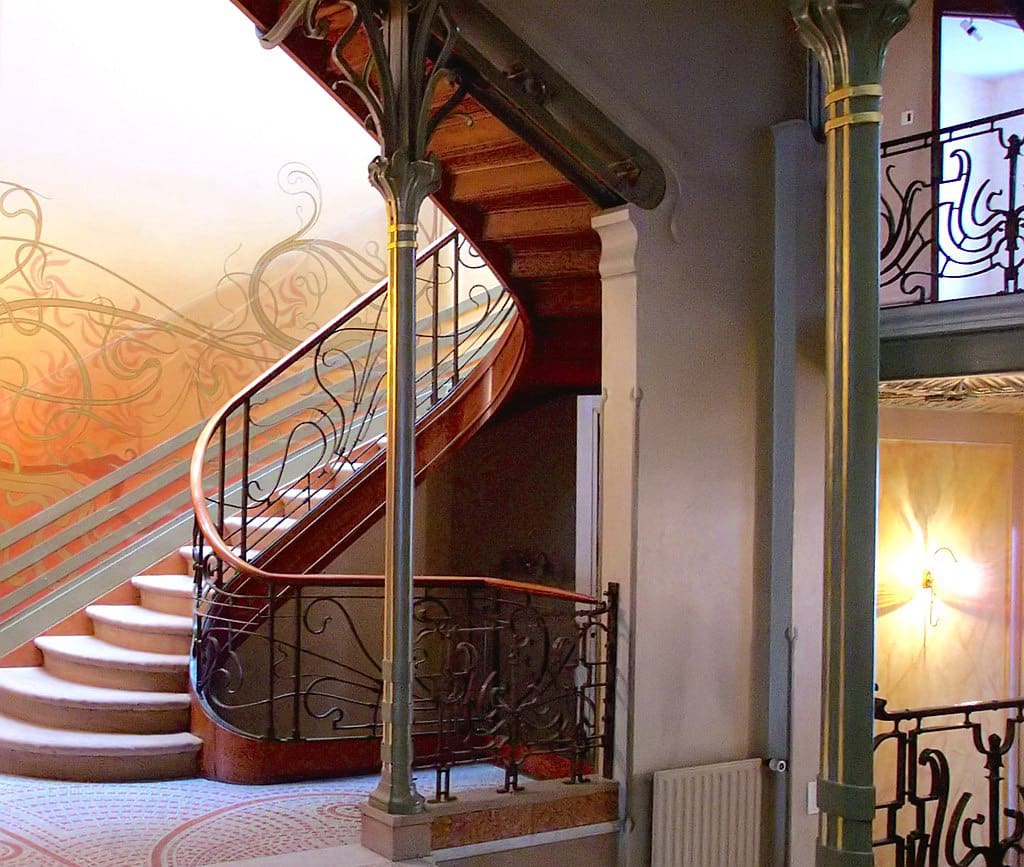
{"points": [[907, 77], [432, 505], [515, 486], [704, 290], [512, 487]]}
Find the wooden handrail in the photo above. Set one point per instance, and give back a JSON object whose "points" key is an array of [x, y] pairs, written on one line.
{"points": [[223, 551], [461, 581]]}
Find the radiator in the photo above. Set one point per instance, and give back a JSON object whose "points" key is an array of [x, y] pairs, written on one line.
{"points": [[708, 816]]}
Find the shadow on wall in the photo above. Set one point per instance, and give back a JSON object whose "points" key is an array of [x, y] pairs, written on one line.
{"points": [[503, 505]]}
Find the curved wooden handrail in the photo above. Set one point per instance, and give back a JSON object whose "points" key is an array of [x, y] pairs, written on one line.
{"points": [[286, 361], [515, 338], [463, 581]]}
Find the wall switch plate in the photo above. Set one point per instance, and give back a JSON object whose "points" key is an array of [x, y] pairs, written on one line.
{"points": [[906, 117], [812, 798]]}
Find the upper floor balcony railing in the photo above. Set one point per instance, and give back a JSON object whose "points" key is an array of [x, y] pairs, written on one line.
{"points": [[952, 209], [947, 785]]}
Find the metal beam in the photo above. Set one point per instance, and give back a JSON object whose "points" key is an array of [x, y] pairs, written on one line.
{"points": [[525, 92], [410, 45]]}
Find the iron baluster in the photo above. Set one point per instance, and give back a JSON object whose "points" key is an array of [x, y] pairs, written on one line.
{"points": [[1013, 218], [435, 288], [297, 664], [222, 487], [611, 661], [271, 638], [456, 246], [244, 511]]}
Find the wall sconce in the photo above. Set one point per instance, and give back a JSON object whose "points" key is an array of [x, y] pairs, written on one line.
{"points": [[942, 560]]}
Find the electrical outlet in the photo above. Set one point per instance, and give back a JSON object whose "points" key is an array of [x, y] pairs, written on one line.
{"points": [[906, 117], [812, 798]]}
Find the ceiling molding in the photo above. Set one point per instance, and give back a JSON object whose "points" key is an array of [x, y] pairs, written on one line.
{"points": [[996, 393]]}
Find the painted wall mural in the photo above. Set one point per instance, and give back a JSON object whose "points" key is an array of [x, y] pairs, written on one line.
{"points": [[169, 227], [94, 369]]}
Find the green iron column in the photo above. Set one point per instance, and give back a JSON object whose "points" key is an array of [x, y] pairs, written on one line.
{"points": [[850, 40], [404, 185], [399, 38], [410, 44]]}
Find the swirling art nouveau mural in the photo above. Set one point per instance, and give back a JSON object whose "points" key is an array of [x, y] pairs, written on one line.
{"points": [[149, 263], [95, 369]]}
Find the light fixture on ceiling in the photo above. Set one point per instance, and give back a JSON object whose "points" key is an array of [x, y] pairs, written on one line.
{"points": [[971, 29]]}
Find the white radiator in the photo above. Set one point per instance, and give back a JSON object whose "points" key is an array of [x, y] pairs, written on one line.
{"points": [[708, 816]]}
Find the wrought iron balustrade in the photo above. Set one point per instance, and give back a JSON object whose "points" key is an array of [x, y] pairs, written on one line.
{"points": [[317, 418], [952, 212], [954, 798], [503, 670]]}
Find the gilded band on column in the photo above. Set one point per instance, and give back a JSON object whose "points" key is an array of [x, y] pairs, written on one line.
{"points": [[847, 117], [395, 243]]}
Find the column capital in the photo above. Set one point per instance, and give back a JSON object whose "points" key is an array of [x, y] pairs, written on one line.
{"points": [[404, 183], [849, 38]]}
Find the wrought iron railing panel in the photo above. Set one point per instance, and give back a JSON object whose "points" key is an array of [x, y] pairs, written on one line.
{"points": [[281, 450], [502, 671], [953, 797], [952, 212]]}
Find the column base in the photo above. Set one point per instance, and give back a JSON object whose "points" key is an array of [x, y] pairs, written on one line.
{"points": [[399, 838]]}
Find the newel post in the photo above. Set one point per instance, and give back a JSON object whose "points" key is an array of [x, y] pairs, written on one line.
{"points": [[850, 40]]}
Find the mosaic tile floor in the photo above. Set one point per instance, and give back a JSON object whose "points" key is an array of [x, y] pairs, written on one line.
{"points": [[184, 823]]}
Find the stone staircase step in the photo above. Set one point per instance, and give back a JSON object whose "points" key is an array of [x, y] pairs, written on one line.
{"points": [[262, 530], [67, 754], [343, 468], [172, 594], [141, 628], [88, 660], [38, 696], [301, 496], [185, 553]]}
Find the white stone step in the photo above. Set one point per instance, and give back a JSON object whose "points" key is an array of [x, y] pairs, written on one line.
{"points": [[141, 628], [37, 696], [172, 594], [260, 531], [67, 754], [303, 495], [87, 659], [340, 469]]}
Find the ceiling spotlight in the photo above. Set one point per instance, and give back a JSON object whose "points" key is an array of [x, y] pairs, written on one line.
{"points": [[971, 29]]}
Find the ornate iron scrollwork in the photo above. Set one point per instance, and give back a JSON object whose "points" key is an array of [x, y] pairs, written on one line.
{"points": [[502, 674], [918, 826], [952, 211]]}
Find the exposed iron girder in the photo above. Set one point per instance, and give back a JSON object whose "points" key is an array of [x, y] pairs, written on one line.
{"points": [[522, 90]]}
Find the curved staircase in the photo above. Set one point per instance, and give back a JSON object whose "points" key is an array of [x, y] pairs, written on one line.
{"points": [[267, 520], [112, 705]]}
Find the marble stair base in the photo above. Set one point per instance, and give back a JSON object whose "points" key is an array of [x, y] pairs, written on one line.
{"points": [[483, 823]]}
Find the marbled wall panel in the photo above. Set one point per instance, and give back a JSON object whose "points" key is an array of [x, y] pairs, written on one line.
{"points": [[939, 501]]}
